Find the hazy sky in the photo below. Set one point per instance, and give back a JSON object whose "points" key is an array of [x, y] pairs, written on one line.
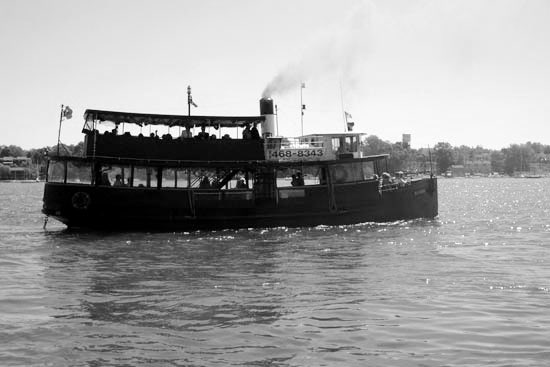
{"points": [[465, 72]]}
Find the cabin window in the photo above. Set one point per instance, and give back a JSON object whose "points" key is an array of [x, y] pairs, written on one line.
{"points": [[336, 144], [113, 175], [56, 171], [79, 172], [203, 178], [175, 177], [240, 180], [168, 178], [347, 172], [301, 176], [181, 177], [368, 170], [345, 144], [144, 177]]}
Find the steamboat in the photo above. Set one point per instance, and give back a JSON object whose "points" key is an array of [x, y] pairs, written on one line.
{"points": [[129, 181]]}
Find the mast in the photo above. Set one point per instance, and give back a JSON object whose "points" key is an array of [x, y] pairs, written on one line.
{"points": [[302, 106], [59, 132], [343, 111]]}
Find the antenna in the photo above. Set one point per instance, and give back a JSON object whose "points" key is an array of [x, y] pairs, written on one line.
{"points": [[277, 119], [430, 155], [302, 106], [343, 111]]}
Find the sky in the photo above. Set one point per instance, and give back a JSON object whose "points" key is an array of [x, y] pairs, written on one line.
{"points": [[467, 72]]}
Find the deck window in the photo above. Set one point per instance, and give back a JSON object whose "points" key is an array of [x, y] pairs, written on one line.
{"points": [[203, 178], [368, 170], [175, 178], [113, 175], [79, 172], [144, 177], [56, 171], [346, 172], [301, 176]]}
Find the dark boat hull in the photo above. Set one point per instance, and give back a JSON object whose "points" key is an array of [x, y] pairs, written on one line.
{"points": [[116, 208]]}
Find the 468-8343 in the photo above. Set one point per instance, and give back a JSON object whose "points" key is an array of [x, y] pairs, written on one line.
{"points": [[295, 153]]}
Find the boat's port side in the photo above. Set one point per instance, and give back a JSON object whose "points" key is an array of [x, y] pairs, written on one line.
{"points": [[100, 193]]}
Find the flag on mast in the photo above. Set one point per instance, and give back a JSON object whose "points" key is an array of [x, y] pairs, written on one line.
{"points": [[190, 98], [67, 113], [349, 124]]}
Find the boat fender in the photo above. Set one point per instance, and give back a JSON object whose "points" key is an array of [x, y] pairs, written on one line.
{"points": [[340, 174], [81, 200]]}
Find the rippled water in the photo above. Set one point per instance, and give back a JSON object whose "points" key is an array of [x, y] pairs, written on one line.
{"points": [[470, 288]]}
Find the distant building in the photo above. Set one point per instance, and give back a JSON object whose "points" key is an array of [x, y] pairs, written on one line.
{"points": [[406, 140], [22, 161], [16, 168], [19, 173], [7, 161]]}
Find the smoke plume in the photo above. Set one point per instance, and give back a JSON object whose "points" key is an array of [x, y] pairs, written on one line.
{"points": [[339, 52]]}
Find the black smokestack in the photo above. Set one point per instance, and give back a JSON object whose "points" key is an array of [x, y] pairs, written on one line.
{"points": [[266, 106]]}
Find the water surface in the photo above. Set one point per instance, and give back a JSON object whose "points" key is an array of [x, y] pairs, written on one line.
{"points": [[469, 288]]}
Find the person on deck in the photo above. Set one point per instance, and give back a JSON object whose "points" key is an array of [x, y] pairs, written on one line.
{"points": [[386, 179], [254, 133], [118, 181], [247, 134], [186, 134], [105, 179], [299, 179], [241, 184], [203, 135], [400, 179], [205, 183]]}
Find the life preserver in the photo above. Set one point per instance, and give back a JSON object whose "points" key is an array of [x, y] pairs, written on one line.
{"points": [[340, 174], [81, 200]]}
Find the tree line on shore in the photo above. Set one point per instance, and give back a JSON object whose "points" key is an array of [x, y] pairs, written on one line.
{"points": [[516, 157], [35, 167]]}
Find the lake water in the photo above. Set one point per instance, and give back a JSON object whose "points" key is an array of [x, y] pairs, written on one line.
{"points": [[469, 288]]}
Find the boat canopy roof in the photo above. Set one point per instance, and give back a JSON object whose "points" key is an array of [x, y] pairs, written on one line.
{"points": [[335, 135], [142, 119]]}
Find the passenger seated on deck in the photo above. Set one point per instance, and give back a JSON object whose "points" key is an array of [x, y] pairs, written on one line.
{"points": [[205, 183], [186, 134], [299, 179], [247, 134], [203, 135], [241, 184], [254, 133], [386, 178], [213, 137], [226, 137], [105, 179], [400, 178], [118, 181]]}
